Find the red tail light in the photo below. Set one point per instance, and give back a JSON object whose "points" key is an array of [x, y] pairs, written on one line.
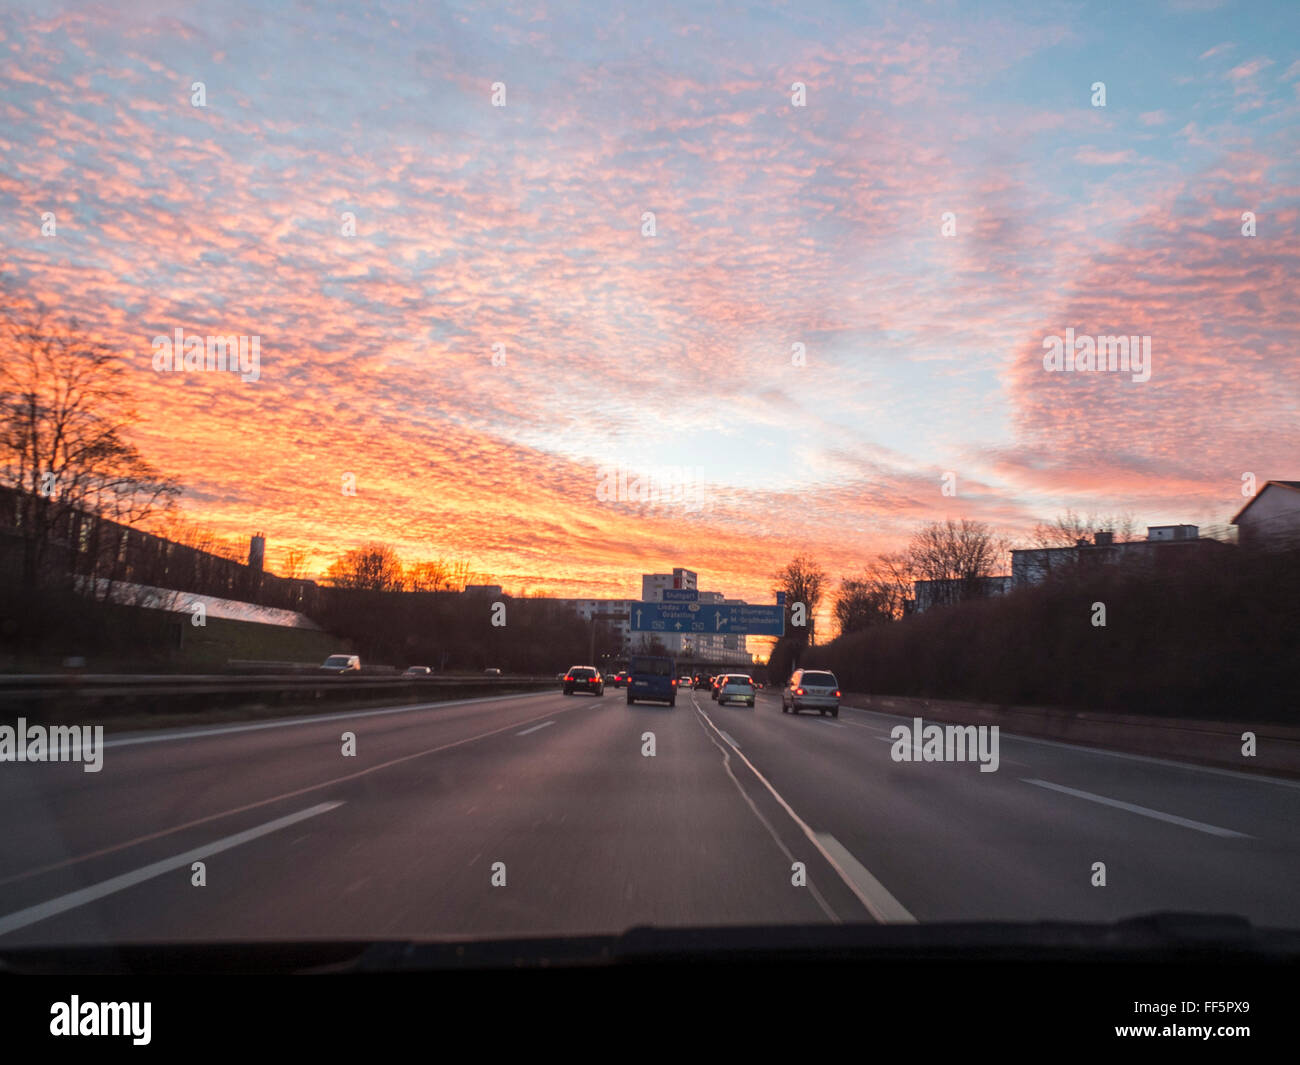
{"points": [[837, 693], [674, 682], [799, 691], [568, 678]]}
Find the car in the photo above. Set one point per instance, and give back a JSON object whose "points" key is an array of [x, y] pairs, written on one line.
{"points": [[620, 679], [715, 685], [492, 672], [418, 671], [584, 679], [737, 687], [652, 677], [701, 681], [341, 664], [683, 681], [811, 689]]}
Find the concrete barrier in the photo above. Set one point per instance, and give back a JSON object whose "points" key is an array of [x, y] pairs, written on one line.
{"points": [[1214, 743]]}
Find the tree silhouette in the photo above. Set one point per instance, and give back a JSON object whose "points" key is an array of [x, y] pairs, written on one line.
{"points": [[64, 415]]}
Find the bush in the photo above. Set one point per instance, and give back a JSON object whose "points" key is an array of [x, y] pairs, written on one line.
{"points": [[1208, 633]]}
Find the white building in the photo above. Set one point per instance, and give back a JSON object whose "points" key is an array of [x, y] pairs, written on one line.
{"points": [[1034, 565], [928, 594], [653, 584], [1271, 518], [617, 614]]}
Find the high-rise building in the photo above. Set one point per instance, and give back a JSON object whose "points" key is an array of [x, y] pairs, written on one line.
{"points": [[617, 613]]}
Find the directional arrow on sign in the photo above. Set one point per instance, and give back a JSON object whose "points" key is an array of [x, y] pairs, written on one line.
{"points": [[731, 619]]}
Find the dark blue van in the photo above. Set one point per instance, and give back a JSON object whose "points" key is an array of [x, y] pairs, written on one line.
{"points": [[652, 677]]}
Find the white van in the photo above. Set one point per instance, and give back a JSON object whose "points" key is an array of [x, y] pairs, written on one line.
{"points": [[342, 664]]}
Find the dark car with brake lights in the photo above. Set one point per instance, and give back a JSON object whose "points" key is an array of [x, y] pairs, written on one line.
{"points": [[584, 679]]}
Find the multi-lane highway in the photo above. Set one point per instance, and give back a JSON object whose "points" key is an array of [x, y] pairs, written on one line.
{"points": [[594, 834]]}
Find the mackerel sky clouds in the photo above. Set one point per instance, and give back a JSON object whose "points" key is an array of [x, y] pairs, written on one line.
{"points": [[775, 225]]}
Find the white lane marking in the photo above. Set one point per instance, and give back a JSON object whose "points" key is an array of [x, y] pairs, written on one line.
{"points": [[831, 723], [315, 719], [1236, 774], [892, 910], [534, 728], [1258, 778], [729, 739], [878, 905], [263, 802], [42, 910], [744, 795], [1199, 826]]}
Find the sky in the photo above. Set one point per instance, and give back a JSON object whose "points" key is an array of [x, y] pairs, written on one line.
{"points": [[798, 354]]}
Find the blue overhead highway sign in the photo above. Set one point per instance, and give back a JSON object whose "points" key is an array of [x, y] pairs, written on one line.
{"points": [[725, 619]]}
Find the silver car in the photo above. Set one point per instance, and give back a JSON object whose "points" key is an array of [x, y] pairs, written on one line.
{"points": [[737, 687], [811, 689]]}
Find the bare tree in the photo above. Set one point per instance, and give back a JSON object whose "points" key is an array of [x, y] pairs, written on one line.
{"points": [[460, 574], [955, 555], [294, 566], [433, 575], [374, 567], [804, 583], [1069, 528], [893, 571], [875, 596], [63, 421]]}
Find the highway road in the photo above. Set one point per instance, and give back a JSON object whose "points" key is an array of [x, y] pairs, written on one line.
{"points": [[300, 841]]}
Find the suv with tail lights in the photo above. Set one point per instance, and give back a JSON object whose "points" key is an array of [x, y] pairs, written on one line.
{"points": [[811, 689]]}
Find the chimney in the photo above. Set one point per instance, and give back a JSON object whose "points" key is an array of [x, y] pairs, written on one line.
{"points": [[257, 553], [1104, 538]]}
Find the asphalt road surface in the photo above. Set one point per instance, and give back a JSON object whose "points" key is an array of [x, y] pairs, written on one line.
{"points": [[403, 839]]}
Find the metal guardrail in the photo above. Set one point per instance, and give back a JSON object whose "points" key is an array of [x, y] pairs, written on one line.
{"points": [[190, 681], [109, 695]]}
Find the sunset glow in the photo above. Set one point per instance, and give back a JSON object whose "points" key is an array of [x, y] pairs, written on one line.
{"points": [[774, 226]]}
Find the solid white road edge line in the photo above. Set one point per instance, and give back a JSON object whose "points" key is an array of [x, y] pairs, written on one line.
{"points": [[42, 910], [870, 892]]}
